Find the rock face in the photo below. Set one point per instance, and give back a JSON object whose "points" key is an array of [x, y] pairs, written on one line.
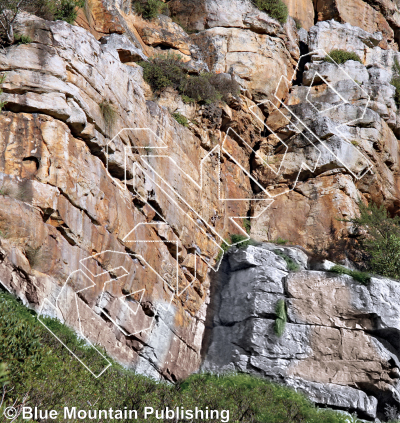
{"points": [[357, 13], [81, 173], [119, 212], [340, 344], [330, 125]]}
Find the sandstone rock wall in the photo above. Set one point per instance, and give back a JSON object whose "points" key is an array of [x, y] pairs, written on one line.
{"points": [[81, 174]]}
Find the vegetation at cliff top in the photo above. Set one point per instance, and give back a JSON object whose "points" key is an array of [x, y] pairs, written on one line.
{"points": [[42, 368], [65, 10], [341, 56], [149, 9], [379, 239], [168, 70], [277, 9]]}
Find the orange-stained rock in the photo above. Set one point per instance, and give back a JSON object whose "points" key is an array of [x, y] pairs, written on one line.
{"points": [[357, 13], [98, 20], [301, 10]]}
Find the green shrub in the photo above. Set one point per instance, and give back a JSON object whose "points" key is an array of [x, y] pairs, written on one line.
{"points": [[291, 264], [242, 240], [381, 244], [200, 89], [58, 380], [247, 225], [187, 99], [22, 39], [362, 277], [164, 70], [396, 82], [67, 10], [281, 241], [277, 9], [3, 77], [168, 70], [341, 56], [224, 85], [181, 119], [281, 317], [4, 374], [298, 23], [149, 9]]}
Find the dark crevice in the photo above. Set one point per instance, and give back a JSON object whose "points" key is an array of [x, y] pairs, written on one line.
{"points": [[302, 63]]}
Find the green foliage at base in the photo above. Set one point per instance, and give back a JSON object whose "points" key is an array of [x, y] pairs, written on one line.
{"points": [[4, 374], [291, 264], [277, 9], [341, 56], [149, 9], [183, 120], [363, 277], [168, 70], [381, 242], [40, 365], [281, 317]]}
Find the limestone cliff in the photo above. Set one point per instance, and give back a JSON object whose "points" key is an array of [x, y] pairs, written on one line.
{"points": [[340, 345], [112, 213]]}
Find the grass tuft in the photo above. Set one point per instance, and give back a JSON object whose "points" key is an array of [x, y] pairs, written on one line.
{"points": [[291, 264], [108, 113], [341, 56], [281, 317], [363, 277], [182, 120]]}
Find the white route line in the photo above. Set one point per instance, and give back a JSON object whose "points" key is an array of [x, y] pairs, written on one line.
{"points": [[177, 199]]}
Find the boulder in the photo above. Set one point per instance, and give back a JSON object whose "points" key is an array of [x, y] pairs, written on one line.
{"points": [[340, 342]]}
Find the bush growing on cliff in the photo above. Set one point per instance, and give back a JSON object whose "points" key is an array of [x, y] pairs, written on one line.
{"points": [[149, 9], [181, 119], [292, 266], [281, 317], [396, 81], [341, 56], [47, 9], [2, 79], [363, 277], [277, 9], [168, 70], [381, 239], [57, 380]]}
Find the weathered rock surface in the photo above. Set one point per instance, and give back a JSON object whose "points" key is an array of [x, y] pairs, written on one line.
{"points": [[357, 13], [340, 344], [67, 156], [332, 127]]}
